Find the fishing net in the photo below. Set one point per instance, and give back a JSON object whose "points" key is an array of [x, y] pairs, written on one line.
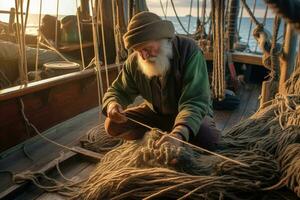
{"points": [[268, 143]]}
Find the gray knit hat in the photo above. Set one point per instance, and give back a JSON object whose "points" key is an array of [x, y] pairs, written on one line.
{"points": [[146, 26]]}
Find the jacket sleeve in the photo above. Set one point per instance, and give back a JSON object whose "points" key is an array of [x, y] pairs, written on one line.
{"points": [[123, 90], [195, 100]]}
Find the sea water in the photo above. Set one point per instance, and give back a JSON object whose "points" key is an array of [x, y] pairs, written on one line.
{"points": [[245, 29]]}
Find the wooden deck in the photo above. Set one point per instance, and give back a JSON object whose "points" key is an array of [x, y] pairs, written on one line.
{"points": [[36, 153]]}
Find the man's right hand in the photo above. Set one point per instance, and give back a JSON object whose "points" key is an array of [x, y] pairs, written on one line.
{"points": [[116, 113]]}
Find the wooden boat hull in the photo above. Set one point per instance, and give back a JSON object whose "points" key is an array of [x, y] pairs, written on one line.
{"points": [[47, 103]]}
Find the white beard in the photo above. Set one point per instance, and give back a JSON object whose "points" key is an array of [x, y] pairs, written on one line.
{"points": [[159, 65]]}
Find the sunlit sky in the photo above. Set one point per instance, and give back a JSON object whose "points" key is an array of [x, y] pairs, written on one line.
{"points": [[69, 6]]}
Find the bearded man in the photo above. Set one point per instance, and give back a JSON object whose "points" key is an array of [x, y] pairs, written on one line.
{"points": [[170, 73]]}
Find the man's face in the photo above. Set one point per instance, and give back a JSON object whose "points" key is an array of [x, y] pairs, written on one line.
{"points": [[148, 51], [153, 57]]}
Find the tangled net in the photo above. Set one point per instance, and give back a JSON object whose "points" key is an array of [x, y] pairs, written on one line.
{"points": [[268, 141]]}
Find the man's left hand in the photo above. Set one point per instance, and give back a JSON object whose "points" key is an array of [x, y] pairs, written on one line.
{"points": [[172, 141]]}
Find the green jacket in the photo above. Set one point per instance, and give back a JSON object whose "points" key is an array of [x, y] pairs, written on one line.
{"points": [[185, 90]]}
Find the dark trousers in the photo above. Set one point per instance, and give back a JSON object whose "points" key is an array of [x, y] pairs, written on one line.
{"points": [[207, 137]]}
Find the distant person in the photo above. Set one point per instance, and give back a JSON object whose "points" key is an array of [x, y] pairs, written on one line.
{"points": [[170, 73]]}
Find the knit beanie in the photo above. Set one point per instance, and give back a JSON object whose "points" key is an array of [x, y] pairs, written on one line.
{"points": [[146, 26]]}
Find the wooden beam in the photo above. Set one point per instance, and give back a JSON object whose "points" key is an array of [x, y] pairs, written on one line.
{"points": [[240, 57], [21, 90]]}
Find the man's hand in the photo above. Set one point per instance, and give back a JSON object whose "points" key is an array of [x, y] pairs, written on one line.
{"points": [[171, 140], [115, 113], [178, 132]]}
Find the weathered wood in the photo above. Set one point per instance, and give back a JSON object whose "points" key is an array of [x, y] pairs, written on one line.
{"points": [[84, 173], [21, 90], [39, 151], [87, 154], [11, 191], [47, 103], [241, 57], [238, 113], [287, 61]]}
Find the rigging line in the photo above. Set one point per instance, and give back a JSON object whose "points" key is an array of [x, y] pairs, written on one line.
{"points": [[23, 42], [198, 14], [203, 12], [36, 130], [50, 46], [116, 34], [250, 28], [190, 15], [240, 20], [163, 10], [97, 61], [179, 21], [20, 65], [38, 43], [189, 144], [103, 43], [264, 23], [252, 17], [80, 36], [166, 9], [56, 23], [41, 135], [27, 11]]}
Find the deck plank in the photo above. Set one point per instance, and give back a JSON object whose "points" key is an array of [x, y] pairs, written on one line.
{"points": [[70, 169], [84, 173], [41, 151], [253, 103]]}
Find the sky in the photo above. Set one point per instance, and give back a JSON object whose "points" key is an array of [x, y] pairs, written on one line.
{"points": [[69, 6]]}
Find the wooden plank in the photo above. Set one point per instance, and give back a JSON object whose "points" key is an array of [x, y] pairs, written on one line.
{"points": [[221, 118], [84, 173], [41, 151], [238, 113], [11, 191], [69, 169], [22, 90], [253, 103]]}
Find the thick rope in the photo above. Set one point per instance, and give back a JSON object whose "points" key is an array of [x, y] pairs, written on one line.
{"points": [[218, 80], [97, 61]]}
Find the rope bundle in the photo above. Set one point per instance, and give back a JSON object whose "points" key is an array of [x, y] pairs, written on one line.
{"points": [[97, 140], [139, 170]]}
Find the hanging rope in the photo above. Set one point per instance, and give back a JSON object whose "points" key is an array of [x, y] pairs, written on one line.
{"points": [[38, 43], [97, 61], [264, 23], [56, 24], [163, 10], [275, 50], [99, 10], [177, 17], [218, 78], [256, 22], [252, 17], [80, 37], [190, 15]]}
